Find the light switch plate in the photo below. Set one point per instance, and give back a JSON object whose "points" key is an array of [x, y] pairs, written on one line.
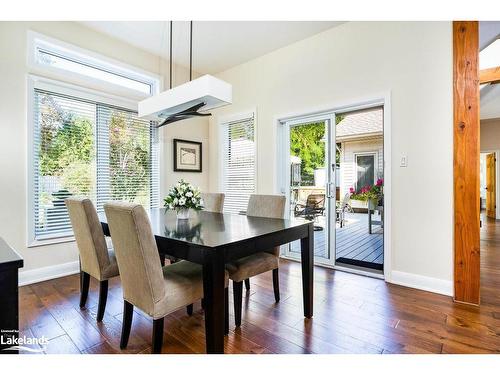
{"points": [[404, 161]]}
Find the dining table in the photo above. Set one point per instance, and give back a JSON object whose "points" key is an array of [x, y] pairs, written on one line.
{"points": [[215, 239]]}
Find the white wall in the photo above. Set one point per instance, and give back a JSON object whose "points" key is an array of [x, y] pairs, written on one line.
{"points": [[490, 134], [489, 141], [412, 60], [13, 130]]}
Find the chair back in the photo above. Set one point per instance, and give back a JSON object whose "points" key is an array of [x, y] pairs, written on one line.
{"points": [[137, 254], [89, 236], [345, 201], [315, 201], [272, 206], [213, 202]]}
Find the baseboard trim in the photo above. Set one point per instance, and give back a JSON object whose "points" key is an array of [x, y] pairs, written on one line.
{"points": [[48, 273], [426, 283]]}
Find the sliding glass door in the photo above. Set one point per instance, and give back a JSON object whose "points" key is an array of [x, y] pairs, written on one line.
{"points": [[333, 175], [359, 234], [308, 178]]}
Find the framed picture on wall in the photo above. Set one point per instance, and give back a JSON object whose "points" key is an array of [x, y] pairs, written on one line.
{"points": [[187, 156]]}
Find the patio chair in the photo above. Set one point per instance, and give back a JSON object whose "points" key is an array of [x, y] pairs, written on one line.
{"points": [[314, 207], [342, 208]]}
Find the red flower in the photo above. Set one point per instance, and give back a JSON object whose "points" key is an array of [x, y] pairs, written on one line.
{"points": [[380, 182]]}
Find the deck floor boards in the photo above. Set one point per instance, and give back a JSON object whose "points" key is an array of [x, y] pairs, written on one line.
{"points": [[352, 241]]}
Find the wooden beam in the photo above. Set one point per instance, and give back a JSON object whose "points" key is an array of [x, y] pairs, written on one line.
{"points": [[491, 75], [466, 160]]}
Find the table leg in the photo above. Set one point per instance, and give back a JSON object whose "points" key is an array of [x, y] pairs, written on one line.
{"points": [[369, 221], [307, 259], [213, 290]]}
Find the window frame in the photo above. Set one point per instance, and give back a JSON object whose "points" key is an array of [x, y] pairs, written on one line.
{"points": [[375, 165], [47, 84], [225, 120], [85, 57]]}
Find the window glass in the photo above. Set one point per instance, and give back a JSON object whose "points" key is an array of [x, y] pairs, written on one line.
{"points": [[47, 58], [365, 167], [84, 148], [239, 164]]}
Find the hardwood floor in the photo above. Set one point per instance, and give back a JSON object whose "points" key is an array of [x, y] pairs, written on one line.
{"points": [[353, 314]]}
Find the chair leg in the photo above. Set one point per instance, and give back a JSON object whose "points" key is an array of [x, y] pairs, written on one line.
{"points": [[276, 284], [85, 288], [226, 311], [128, 312], [81, 274], [157, 335], [247, 284], [238, 299], [189, 309], [103, 296]]}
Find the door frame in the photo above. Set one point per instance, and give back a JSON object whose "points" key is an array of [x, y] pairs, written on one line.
{"points": [[341, 106], [497, 177]]}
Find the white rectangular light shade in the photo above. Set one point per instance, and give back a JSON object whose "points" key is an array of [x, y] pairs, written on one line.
{"points": [[206, 89]]}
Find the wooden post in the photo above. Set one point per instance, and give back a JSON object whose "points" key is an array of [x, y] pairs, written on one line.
{"points": [[466, 152]]}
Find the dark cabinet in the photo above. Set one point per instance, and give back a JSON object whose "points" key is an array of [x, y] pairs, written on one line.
{"points": [[10, 262]]}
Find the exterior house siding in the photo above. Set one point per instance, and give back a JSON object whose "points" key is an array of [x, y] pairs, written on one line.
{"points": [[348, 161]]}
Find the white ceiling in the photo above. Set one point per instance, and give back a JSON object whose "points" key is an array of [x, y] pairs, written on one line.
{"points": [[490, 102], [490, 94], [217, 45]]}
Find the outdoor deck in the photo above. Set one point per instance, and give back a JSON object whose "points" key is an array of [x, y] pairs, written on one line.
{"points": [[353, 242]]}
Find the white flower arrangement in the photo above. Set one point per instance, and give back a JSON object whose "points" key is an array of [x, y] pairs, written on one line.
{"points": [[183, 196]]}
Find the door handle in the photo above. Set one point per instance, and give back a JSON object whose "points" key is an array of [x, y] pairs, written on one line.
{"points": [[329, 190]]}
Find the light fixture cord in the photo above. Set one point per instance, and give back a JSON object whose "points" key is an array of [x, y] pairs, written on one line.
{"points": [[191, 51], [171, 22]]}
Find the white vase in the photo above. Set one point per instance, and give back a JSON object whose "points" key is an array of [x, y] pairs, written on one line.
{"points": [[183, 214], [372, 203]]}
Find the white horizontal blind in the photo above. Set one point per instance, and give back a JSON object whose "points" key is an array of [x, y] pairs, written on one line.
{"points": [[64, 159], [238, 142], [125, 149], [86, 148]]}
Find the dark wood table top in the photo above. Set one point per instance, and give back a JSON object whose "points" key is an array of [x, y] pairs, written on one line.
{"points": [[211, 229], [9, 258]]}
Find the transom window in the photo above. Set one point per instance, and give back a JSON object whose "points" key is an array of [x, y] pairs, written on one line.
{"points": [[50, 54]]}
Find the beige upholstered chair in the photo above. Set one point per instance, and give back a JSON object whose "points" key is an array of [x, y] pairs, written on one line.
{"points": [[154, 289], [272, 206], [213, 202], [95, 258]]}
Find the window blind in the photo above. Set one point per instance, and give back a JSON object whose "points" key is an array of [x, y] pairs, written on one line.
{"points": [[125, 163], [86, 148], [238, 163]]}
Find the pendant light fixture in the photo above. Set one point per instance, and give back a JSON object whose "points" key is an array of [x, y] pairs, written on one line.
{"points": [[187, 100]]}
